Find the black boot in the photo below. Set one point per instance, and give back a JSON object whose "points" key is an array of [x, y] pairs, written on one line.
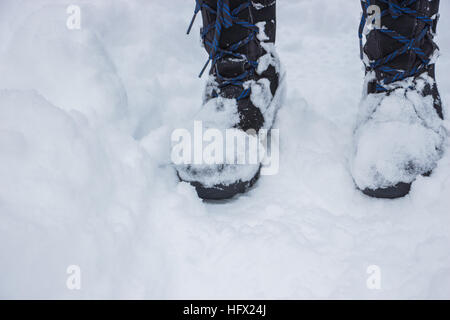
{"points": [[400, 132], [242, 92]]}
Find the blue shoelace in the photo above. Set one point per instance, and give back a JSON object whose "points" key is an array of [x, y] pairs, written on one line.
{"points": [[396, 10], [225, 18]]}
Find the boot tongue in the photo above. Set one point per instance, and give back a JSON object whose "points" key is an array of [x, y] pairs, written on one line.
{"points": [[380, 45], [230, 35], [230, 67]]}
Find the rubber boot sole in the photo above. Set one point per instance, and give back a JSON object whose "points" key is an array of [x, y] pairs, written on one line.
{"points": [[223, 192], [398, 191]]}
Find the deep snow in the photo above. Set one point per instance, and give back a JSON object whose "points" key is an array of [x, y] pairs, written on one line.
{"points": [[85, 179]]}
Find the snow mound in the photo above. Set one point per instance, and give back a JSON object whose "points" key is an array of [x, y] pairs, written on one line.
{"points": [[59, 63], [399, 137], [222, 155]]}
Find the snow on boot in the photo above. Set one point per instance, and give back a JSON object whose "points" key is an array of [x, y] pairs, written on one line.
{"points": [[399, 134], [242, 93]]}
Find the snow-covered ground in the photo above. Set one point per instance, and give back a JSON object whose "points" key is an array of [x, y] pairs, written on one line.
{"points": [[85, 121]]}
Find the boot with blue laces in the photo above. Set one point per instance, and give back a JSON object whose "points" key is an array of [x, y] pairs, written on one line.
{"points": [[399, 134], [242, 92]]}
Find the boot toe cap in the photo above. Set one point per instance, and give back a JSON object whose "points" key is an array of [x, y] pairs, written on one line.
{"points": [[390, 155]]}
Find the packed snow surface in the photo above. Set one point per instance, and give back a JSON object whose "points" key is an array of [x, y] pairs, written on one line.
{"points": [[85, 175]]}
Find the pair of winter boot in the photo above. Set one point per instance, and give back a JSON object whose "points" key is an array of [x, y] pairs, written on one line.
{"points": [[399, 134]]}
